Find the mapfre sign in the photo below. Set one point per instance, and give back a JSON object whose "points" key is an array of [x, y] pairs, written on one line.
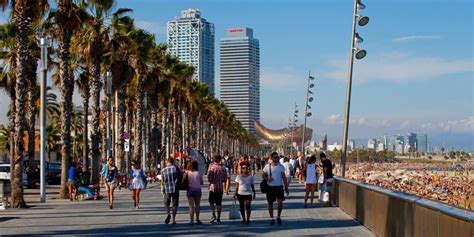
{"points": [[233, 30]]}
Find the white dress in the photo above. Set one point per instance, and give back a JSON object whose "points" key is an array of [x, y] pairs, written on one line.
{"points": [[138, 179]]}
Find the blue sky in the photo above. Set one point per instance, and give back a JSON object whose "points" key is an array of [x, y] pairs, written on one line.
{"points": [[418, 75]]}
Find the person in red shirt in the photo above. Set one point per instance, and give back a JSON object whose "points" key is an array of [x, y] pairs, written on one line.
{"points": [[216, 176]]}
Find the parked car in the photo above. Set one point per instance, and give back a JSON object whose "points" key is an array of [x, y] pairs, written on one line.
{"points": [[54, 173], [5, 174]]}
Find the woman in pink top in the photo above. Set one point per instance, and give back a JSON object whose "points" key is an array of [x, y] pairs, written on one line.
{"points": [[195, 183]]}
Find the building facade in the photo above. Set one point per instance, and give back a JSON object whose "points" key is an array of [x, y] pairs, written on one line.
{"points": [[191, 39], [240, 75], [422, 143]]}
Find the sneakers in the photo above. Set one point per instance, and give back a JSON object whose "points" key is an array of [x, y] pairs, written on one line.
{"points": [[167, 220], [198, 222], [279, 221], [272, 222], [213, 219], [218, 221]]}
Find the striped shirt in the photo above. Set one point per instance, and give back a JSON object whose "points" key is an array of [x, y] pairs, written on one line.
{"points": [[216, 175], [169, 176]]}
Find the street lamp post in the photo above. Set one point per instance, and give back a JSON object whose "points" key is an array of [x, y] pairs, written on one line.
{"points": [[44, 68], [306, 113], [293, 127], [108, 84], [359, 54]]}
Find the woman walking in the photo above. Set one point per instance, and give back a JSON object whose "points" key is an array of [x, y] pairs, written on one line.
{"points": [[137, 183], [194, 194], [109, 173], [311, 180], [244, 188]]}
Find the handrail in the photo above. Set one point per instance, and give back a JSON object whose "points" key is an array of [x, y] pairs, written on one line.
{"points": [[434, 205]]}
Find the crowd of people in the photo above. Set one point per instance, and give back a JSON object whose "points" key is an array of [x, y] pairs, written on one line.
{"points": [[445, 182], [277, 172]]}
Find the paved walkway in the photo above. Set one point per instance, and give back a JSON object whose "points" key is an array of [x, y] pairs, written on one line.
{"points": [[62, 217]]}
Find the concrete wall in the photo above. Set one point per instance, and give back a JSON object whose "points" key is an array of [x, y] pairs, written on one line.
{"points": [[389, 213]]}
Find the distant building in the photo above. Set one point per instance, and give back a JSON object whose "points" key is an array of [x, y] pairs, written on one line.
{"points": [[380, 146], [352, 145], [191, 39], [372, 144], [422, 142], [240, 75], [410, 142], [334, 147]]}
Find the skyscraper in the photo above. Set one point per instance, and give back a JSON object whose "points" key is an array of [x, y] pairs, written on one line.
{"points": [[240, 75], [422, 142], [191, 39]]}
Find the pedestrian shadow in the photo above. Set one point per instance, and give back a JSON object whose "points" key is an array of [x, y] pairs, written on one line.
{"points": [[3, 219], [226, 228]]}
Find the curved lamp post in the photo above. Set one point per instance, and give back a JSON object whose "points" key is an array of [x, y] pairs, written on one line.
{"points": [[307, 114], [358, 54]]}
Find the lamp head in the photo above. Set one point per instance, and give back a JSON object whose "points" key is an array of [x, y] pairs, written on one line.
{"points": [[360, 5], [360, 53], [311, 85], [310, 99], [363, 20], [308, 114], [358, 39]]}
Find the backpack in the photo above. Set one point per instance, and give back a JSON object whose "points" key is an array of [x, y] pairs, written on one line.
{"points": [[227, 162]]}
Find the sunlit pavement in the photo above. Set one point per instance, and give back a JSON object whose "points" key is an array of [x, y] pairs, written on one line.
{"points": [[62, 217]]}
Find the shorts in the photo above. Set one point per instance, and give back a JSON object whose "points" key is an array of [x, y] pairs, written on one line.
{"points": [[328, 186], [242, 198], [310, 187], [194, 194], [275, 193], [215, 198], [110, 185], [172, 197]]}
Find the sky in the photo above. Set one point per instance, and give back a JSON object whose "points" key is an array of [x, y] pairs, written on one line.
{"points": [[418, 75]]}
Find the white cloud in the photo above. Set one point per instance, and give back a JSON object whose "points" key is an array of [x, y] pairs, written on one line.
{"points": [[281, 79], [154, 27], [399, 67], [415, 38], [333, 119], [455, 126]]}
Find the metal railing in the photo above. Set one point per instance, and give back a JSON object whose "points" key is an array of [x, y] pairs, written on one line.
{"points": [[390, 213]]}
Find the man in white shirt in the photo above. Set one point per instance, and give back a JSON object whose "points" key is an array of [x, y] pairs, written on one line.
{"points": [[274, 174]]}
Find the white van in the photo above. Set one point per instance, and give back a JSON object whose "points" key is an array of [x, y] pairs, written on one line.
{"points": [[5, 174]]}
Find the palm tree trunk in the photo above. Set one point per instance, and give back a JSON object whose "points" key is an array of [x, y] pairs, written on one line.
{"points": [[67, 87], [154, 127], [32, 112], [138, 150], [105, 104], [129, 130], [121, 128], [22, 22], [96, 133], [85, 94]]}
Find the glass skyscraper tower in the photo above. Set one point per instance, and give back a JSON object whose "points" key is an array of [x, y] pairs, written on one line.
{"points": [[240, 75], [191, 39]]}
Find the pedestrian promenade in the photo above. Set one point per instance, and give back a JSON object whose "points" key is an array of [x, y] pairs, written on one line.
{"points": [[62, 217]]}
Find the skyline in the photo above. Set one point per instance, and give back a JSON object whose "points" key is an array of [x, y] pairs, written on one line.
{"points": [[419, 65]]}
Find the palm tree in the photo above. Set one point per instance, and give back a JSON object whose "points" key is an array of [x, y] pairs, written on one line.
{"points": [[94, 40], [24, 13], [143, 42], [117, 55], [53, 136]]}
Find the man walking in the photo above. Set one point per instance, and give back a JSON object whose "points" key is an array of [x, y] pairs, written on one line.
{"points": [[216, 176], [274, 174], [169, 181]]}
